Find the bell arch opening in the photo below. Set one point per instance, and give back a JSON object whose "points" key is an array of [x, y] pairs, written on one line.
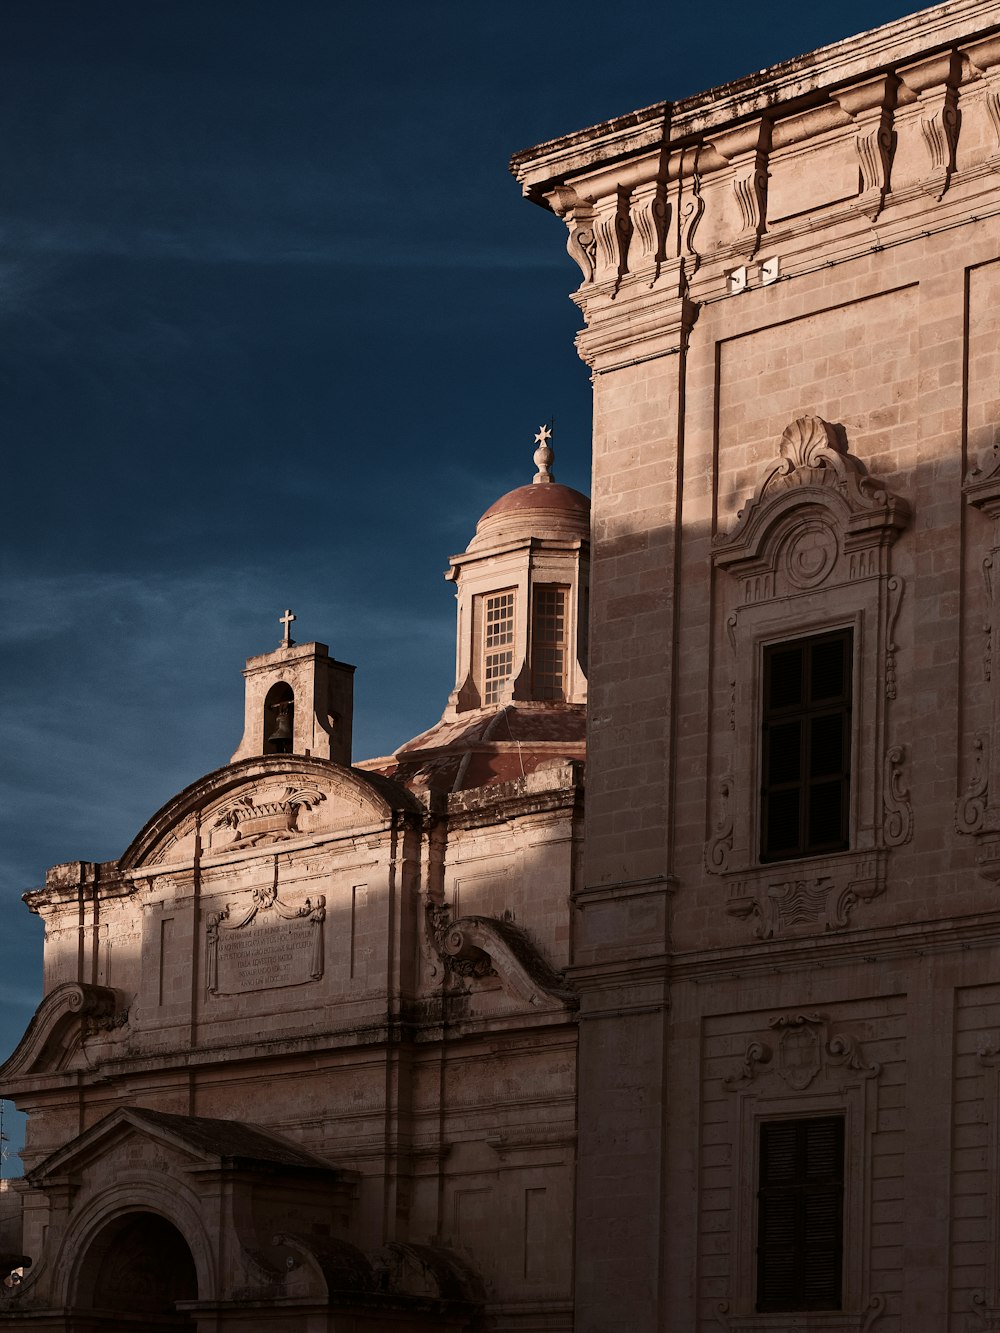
{"points": [[132, 1276], [279, 719]]}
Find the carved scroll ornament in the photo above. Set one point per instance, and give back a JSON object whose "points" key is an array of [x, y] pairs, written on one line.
{"points": [[804, 1048]]}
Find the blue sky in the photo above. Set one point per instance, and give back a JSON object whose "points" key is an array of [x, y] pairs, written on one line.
{"points": [[275, 328]]}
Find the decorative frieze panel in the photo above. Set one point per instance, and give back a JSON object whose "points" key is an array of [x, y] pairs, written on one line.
{"points": [[778, 900]]}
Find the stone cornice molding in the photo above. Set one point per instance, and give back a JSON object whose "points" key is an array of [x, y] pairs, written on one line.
{"points": [[56, 1029], [634, 193], [809, 77]]}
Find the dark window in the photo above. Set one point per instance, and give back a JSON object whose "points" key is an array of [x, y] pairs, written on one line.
{"points": [[806, 768], [800, 1214]]}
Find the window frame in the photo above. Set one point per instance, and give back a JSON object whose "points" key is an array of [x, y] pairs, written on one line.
{"points": [[494, 697], [535, 644], [804, 712]]}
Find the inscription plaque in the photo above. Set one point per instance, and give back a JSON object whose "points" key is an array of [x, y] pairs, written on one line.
{"points": [[264, 954], [273, 945]]}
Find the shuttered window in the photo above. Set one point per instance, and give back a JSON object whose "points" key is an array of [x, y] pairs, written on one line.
{"points": [[800, 1208], [806, 747]]}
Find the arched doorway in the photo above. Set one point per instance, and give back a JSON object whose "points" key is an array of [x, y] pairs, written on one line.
{"points": [[136, 1270]]}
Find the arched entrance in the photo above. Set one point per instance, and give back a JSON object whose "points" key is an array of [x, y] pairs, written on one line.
{"points": [[136, 1270]]}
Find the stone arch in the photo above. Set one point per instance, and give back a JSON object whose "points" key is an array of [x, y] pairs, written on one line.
{"points": [[134, 1272], [135, 1192]]}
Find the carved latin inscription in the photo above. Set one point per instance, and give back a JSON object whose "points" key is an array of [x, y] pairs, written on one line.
{"points": [[273, 945], [267, 952]]}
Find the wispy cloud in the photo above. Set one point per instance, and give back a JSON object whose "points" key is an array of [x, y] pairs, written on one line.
{"points": [[202, 244]]}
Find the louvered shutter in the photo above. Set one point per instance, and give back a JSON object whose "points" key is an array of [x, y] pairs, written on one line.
{"points": [[800, 1214]]}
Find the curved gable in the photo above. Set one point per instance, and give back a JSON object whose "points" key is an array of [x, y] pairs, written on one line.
{"points": [[263, 800]]}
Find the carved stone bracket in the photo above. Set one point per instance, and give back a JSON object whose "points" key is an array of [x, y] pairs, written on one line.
{"points": [[984, 56], [746, 149], [897, 824], [970, 808], [871, 106], [935, 82], [579, 216], [650, 219], [718, 849]]}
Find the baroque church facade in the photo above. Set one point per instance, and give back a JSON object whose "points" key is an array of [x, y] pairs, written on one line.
{"points": [[423, 1042]]}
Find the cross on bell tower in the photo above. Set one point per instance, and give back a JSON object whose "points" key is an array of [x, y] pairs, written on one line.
{"points": [[299, 700]]}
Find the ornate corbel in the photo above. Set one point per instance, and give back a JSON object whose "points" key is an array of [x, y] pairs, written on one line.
{"points": [[870, 105], [650, 219], [970, 809], [579, 216], [983, 57], [613, 229], [935, 82], [746, 149]]}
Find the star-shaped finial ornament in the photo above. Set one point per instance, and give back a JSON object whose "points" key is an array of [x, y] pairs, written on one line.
{"points": [[544, 435]]}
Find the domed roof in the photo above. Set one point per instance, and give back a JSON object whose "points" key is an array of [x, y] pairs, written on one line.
{"points": [[552, 495], [542, 508]]}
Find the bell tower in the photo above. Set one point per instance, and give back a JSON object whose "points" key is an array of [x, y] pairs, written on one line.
{"points": [[299, 700]]}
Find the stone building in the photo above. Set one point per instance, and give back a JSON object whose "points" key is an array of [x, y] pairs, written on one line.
{"points": [[376, 1044], [785, 936], [306, 1057]]}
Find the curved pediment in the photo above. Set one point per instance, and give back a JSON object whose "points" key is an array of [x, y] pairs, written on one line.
{"points": [[523, 973], [813, 470], [56, 1030], [262, 801]]}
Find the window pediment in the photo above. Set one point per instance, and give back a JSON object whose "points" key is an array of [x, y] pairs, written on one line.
{"points": [[813, 470]]}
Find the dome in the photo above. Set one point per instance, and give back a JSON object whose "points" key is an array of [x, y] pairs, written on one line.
{"points": [[551, 496], [543, 508]]}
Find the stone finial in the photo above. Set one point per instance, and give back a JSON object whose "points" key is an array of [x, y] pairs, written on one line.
{"points": [[286, 620], [543, 456]]}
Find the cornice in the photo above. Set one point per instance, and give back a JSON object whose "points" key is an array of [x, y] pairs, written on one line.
{"points": [[790, 85]]}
